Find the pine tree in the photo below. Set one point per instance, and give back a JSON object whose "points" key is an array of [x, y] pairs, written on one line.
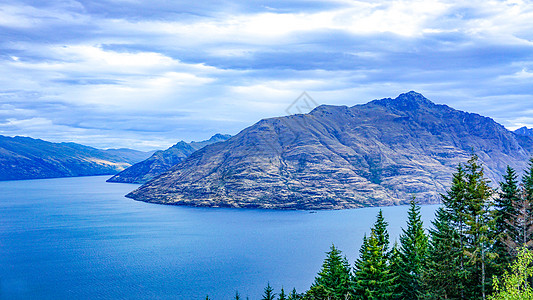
{"points": [[506, 214], [442, 277], [454, 203], [373, 279], [380, 229], [294, 295], [525, 228], [478, 234], [395, 265], [335, 276], [282, 295], [237, 296], [268, 294], [413, 254]]}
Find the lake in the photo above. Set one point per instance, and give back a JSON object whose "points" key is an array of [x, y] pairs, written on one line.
{"points": [[80, 238]]}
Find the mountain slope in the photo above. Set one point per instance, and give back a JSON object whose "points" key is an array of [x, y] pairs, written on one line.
{"points": [[162, 161], [524, 131], [27, 158], [380, 153]]}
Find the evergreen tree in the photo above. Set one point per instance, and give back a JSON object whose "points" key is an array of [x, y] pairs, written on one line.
{"points": [[442, 278], [413, 254], [335, 276], [381, 233], [294, 295], [395, 263], [373, 279], [479, 225], [454, 203], [237, 296], [506, 214], [282, 295], [525, 207], [268, 294]]}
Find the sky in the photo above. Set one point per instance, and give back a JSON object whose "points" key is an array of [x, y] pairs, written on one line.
{"points": [[146, 74]]}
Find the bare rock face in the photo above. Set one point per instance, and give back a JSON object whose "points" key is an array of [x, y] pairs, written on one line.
{"points": [[162, 161], [336, 157]]}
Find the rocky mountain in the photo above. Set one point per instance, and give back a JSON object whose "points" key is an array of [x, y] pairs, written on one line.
{"points": [[524, 131], [162, 161], [376, 154], [27, 158]]}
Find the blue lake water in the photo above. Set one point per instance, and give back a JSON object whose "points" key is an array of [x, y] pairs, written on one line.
{"points": [[80, 238]]}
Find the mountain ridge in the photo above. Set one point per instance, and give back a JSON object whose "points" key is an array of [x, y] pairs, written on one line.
{"points": [[28, 158], [335, 157], [161, 161]]}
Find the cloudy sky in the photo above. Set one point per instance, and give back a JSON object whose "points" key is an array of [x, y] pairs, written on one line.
{"points": [[146, 74]]}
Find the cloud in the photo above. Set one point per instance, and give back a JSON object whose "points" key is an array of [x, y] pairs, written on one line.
{"points": [[146, 74]]}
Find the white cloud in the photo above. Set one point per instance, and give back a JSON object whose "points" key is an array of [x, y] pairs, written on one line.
{"points": [[105, 74]]}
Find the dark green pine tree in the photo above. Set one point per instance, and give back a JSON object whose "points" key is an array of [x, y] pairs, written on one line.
{"points": [[381, 233], [268, 294], [413, 254], [294, 295], [442, 278], [335, 276], [506, 214], [526, 235], [395, 262], [479, 231], [282, 295], [373, 279]]}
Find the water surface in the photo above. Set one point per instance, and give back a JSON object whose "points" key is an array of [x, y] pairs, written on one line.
{"points": [[80, 238]]}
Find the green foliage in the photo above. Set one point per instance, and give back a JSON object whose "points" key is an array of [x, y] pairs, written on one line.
{"points": [[507, 218], [515, 284], [237, 296], [441, 279], [294, 295], [395, 265], [373, 279], [268, 293], [335, 276], [478, 235], [282, 295], [381, 233], [412, 255]]}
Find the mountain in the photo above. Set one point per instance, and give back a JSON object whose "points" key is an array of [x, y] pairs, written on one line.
{"points": [[376, 154], [524, 131], [162, 161], [27, 158]]}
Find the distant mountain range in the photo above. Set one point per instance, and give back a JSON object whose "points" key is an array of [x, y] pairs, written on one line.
{"points": [[162, 161], [524, 131], [380, 153], [27, 158]]}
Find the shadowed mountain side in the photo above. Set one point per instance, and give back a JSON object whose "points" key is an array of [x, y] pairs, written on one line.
{"points": [[27, 158], [524, 131], [380, 153], [162, 161]]}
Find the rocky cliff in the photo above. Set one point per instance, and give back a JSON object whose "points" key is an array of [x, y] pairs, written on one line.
{"points": [[380, 153]]}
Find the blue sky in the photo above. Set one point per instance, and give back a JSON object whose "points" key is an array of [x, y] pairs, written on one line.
{"points": [[146, 74]]}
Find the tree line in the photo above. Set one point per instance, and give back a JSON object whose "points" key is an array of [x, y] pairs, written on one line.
{"points": [[478, 247]]}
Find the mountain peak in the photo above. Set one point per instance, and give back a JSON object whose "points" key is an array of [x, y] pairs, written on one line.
{"points": [[524, 131], [406, 101]]}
